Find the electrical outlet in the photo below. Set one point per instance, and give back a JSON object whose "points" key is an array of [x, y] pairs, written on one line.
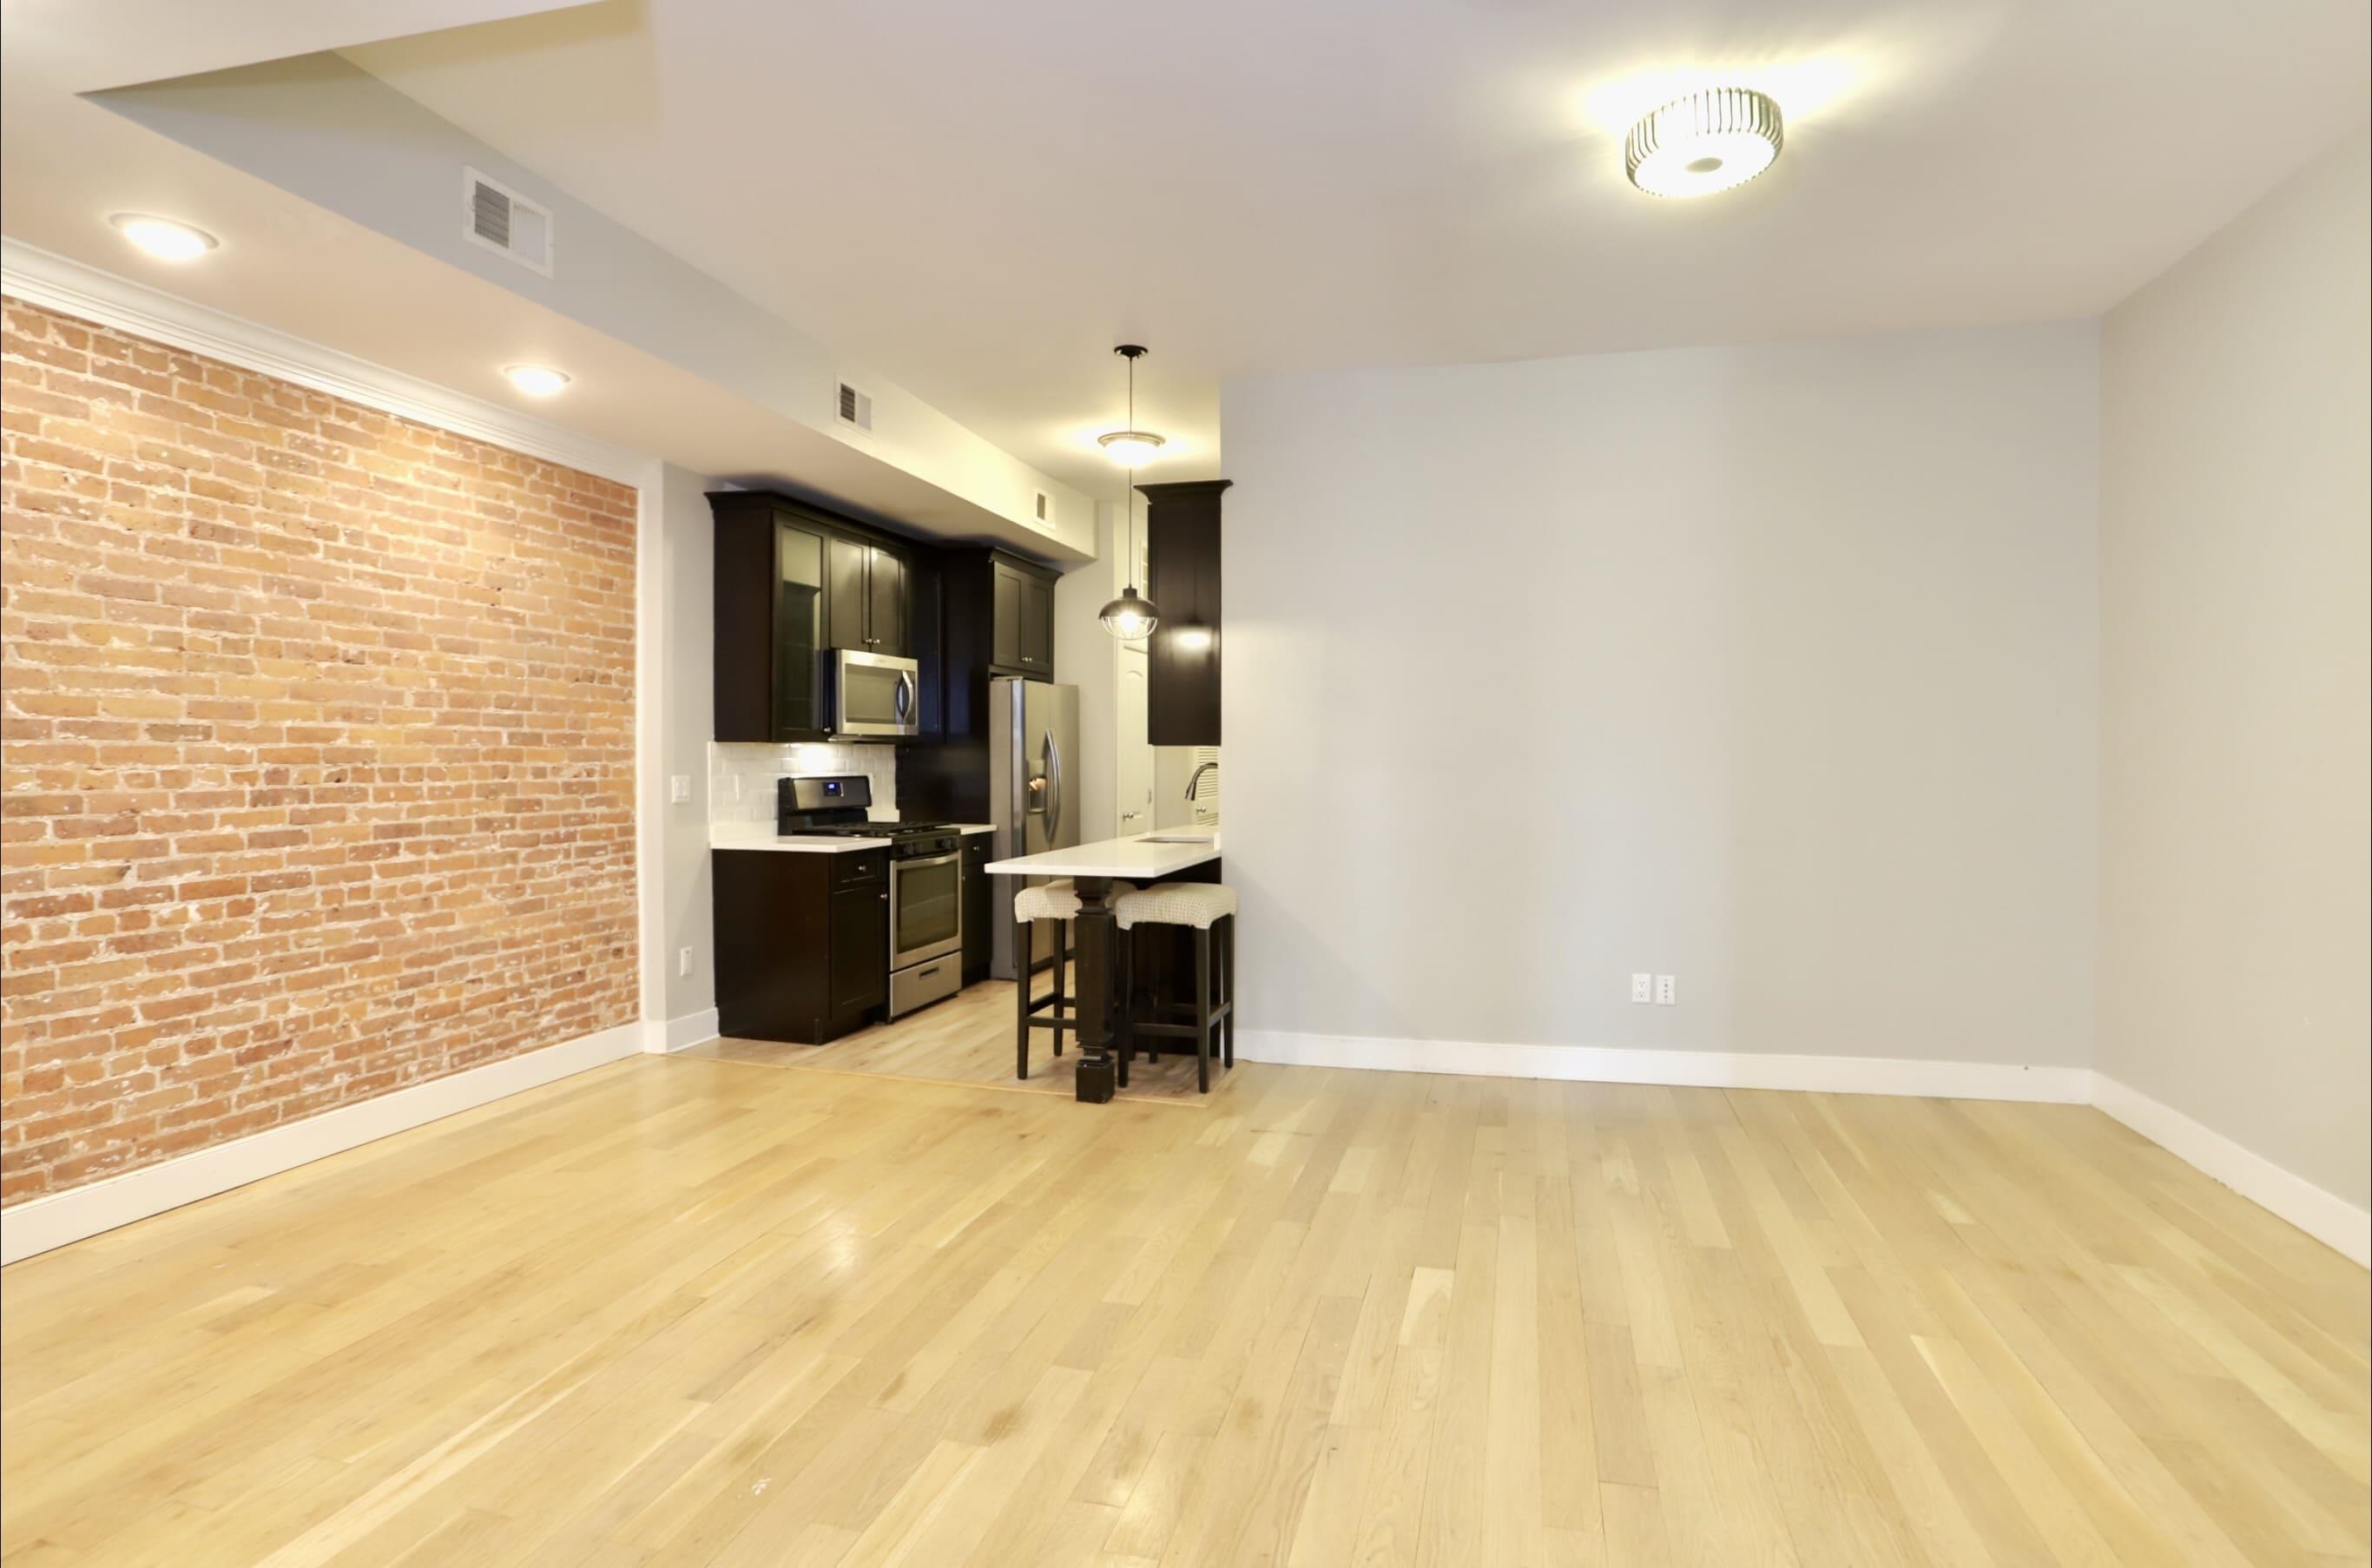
{"points": [[1667, 991], [683, 962], [1643, 988], [679, 788]]}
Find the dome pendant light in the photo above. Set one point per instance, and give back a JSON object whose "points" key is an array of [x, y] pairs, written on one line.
{"points": [[1129, 617], [1705, 141]]}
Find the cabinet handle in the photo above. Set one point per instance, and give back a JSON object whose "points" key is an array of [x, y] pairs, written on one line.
{"points": [[883, 897]]}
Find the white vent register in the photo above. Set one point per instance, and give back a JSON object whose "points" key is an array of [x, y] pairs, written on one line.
{"points": [[499, 218], [855, 408]]}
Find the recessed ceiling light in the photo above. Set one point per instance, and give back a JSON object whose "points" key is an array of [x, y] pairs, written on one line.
{"points": [[535, 380], [1703, 143], [164, 239]]}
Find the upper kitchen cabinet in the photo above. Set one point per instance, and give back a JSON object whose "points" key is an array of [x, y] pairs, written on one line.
{"points": [[1181, 535], [870, 607], [996, 617], [793, 583], [1022, 619]]}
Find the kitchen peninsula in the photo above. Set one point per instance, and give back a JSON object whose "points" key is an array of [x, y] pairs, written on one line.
{"points": [[1093, 867]]}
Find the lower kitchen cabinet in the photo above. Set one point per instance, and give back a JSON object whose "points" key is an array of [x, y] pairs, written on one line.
{"points": [[979, 905], [802, 943]]}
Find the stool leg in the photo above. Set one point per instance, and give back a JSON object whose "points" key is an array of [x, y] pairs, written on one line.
{"points": [[1125, 1021], [1021, 999], [1203, 1008], [1227, 982], [1062, 976]]}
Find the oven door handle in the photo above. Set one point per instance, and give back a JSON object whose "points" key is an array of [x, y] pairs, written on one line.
{"points": [[920, 862]]}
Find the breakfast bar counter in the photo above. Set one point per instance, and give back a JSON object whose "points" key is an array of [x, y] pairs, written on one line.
{"points": [[1092, 868]]}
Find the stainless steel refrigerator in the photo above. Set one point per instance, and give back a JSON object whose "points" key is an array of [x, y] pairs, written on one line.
{"points": [[1033, 789]]}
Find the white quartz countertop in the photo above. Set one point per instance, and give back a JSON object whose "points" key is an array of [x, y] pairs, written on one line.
{"points": [[761, 836], [1132, 859]]}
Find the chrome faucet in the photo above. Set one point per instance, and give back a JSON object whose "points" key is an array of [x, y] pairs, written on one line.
{"points": [[1195, 780]]}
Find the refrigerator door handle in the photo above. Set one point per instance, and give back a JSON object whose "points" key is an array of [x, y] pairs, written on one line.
{"points": [[1054, 793]]}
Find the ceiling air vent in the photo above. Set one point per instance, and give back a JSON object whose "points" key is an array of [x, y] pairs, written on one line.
{"points": [[1042, 509], [855, 408], [502, 220]]}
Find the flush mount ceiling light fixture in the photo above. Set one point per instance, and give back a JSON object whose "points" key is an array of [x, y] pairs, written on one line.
{"points": [[1129, 617], [1132, 448], [535, 380], [162, 238], [1705, 141]]}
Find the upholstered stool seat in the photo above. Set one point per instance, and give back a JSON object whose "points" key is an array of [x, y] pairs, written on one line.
{"points": [[1052, 900], [1205, 908], [1198, 904]]}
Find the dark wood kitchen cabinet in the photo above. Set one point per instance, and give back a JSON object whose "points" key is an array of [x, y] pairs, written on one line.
{"points": [[979, 905], [868, 607], [1181, 535], [802, 943], [1021, 631], [995, 618], [793, 583]]}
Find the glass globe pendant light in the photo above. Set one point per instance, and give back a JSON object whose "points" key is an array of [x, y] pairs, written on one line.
{"points": [[1131, 617]]}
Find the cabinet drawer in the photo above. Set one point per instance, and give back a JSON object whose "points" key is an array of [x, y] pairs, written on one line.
{"points": [[856, 867]]}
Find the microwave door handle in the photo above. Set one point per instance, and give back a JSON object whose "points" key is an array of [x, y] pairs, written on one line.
{"points": [[1053, 791], [906, 695]]}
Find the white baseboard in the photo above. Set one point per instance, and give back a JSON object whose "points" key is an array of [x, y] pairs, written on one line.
{"points": [[693, 1028], [39, 1223], [1684, 1069], [2329, 1218]]}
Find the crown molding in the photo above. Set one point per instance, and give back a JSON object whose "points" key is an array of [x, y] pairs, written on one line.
{"points": [[56, 283]]}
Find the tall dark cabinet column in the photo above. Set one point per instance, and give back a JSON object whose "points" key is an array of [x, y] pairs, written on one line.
{"points": [[1181, 535]]}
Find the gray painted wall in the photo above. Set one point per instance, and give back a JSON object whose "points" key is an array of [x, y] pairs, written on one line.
{"points": [[2237, 680], [1773, 668]]}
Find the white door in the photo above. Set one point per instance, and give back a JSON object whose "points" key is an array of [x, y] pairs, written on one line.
{"points": [[1132, 791]]}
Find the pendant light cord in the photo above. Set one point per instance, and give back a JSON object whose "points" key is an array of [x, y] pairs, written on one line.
{"points": [[1128, 495]]}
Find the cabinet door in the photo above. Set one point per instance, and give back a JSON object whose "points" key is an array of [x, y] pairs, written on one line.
{"points": [[1006, 614], [845, 593], [977, 903], [797, 672], [860, 947], [885, 599], [1037, 626]]}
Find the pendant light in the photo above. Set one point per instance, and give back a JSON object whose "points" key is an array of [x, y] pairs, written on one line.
{"points": [[1131, 448], [1129, 617]]}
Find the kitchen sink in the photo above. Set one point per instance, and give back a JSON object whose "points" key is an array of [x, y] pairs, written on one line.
{"points": [[1179, 839]]}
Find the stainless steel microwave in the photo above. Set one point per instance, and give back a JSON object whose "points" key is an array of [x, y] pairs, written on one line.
{"points": [[875, 696]]}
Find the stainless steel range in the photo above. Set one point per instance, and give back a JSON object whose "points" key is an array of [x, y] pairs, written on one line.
{"points": [[926, 881]]}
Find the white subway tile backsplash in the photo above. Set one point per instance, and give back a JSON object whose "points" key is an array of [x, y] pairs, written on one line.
{"points": [[741, 777]]}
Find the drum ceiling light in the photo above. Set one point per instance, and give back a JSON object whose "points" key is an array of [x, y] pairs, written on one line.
{"points": [[1703, 143]]}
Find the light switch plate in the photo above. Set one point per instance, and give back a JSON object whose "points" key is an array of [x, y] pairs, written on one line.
{"points": [[1667, 990], [679, 788], [683, 962]]}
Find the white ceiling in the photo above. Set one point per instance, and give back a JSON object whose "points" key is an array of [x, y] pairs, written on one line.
{"points": [[981, 199]]}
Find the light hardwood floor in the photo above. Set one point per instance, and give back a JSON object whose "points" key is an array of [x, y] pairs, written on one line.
{"points": [[696, 1312]]}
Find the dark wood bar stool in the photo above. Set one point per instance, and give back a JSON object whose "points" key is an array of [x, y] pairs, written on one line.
{"points": [[1057, 1011], [1209, 909]]}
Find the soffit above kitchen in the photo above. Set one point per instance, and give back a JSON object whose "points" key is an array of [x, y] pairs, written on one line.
{"points": [[341, 212]]}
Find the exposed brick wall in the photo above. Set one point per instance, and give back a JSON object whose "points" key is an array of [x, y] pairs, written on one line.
{"points": [[317, 776]]}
